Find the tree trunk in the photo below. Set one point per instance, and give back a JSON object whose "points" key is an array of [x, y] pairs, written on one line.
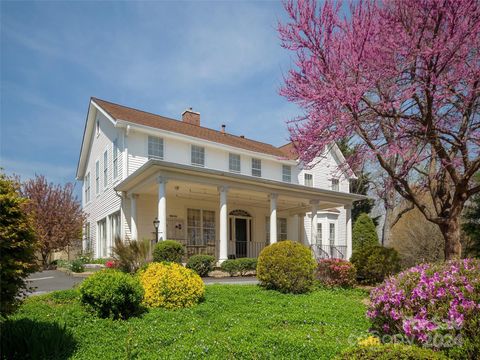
{"points": [[451, 234]]}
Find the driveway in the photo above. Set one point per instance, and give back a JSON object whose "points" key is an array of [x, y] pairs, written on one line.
{"points": [[51, 280]]}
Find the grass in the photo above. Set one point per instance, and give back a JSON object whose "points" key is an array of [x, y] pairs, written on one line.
{"points": [[234, 322]]}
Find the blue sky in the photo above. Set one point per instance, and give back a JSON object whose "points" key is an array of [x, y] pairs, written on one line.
{"points": [[222, 58]]}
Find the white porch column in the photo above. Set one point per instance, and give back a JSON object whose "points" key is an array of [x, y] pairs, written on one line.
{"points": [[162, 208], [314, 222], [348, 223], [133, 215], [223, 253], [273, 218], [301, 225]]}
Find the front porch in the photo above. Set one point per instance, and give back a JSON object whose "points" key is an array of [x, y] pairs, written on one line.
{"points": [[223, 214]]}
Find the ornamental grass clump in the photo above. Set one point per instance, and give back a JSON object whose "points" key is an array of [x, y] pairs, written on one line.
{"points": [[171, 286], [432, 305], [286, 266], [336, 273]]}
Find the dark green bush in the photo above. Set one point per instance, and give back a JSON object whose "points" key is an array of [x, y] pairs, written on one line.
{"points": [[230, 266], [391, 352], [201, 264], [246, 265], [168, 251], [286, 266], [364, 232], [77, 266], [240, 266], [111, 293], [31, 339], [375, 263]]}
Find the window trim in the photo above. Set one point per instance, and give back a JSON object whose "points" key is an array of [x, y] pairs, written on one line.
{"points": [[105, 169], [286, 177], [97, 177], [230, 163], [201, 228], [259, 169], [162, 140], [192, 146], [87, 188], [305, 179], [115, 159], [337, 184]]}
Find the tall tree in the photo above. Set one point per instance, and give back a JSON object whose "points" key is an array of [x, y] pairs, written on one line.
{"points": [[57, 215], [402, 77], [364, 233], [17, 244]]}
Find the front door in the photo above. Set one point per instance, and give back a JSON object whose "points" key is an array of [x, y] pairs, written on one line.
{"points": [[240, 237]]}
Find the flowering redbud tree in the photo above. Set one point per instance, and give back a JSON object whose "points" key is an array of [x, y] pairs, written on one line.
{"points": [[401, 77]]}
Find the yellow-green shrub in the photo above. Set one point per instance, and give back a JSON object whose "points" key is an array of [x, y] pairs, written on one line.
{"points": [[171, 286], [286, 266]]}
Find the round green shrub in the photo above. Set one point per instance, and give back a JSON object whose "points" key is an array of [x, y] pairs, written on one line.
{"points": [[201, 264], [168, 251], [230, 266], [286, 266], [246, 265], [336, 272], [375, 263], [112, 294], [391, 352], [364, 232]]}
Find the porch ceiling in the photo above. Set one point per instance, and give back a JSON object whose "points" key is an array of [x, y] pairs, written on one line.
{"points": [[200, 183]]}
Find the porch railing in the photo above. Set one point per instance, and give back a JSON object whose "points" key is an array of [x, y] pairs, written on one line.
{"points": [[329, 251], [249, 249]]}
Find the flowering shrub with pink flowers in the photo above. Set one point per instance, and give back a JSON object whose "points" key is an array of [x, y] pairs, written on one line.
{"points": [[432, 305], [336, 272]]}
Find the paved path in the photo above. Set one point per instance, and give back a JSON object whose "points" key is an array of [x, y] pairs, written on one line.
{"points": [[51, 280]]}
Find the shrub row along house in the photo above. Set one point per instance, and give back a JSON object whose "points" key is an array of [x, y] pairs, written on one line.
{"points": [[214, 192]]}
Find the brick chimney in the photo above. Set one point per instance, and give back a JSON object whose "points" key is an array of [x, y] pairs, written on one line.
{"points": [[191, 117]]}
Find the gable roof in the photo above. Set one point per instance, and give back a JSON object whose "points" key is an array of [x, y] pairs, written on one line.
{"points": [[120, 112]]}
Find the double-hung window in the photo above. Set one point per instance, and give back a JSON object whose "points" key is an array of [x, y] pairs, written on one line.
{"points": [[234, 162], [332, 234], [155, 147], [97, 177], [335, 185], [198, 155], [87, 188], [287, 173], [256, 167], [319, 234], [200, 227], [308, 179], [105, 169], [115, 159]]}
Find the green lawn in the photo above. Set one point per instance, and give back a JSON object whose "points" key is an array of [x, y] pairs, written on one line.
{"points": [[234, 322]]}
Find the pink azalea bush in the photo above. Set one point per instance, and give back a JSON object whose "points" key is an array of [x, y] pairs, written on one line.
{"points": [[336, 272], [435, 305]]}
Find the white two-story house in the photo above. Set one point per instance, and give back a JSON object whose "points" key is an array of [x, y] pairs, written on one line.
{"points": [[215, 192]]}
